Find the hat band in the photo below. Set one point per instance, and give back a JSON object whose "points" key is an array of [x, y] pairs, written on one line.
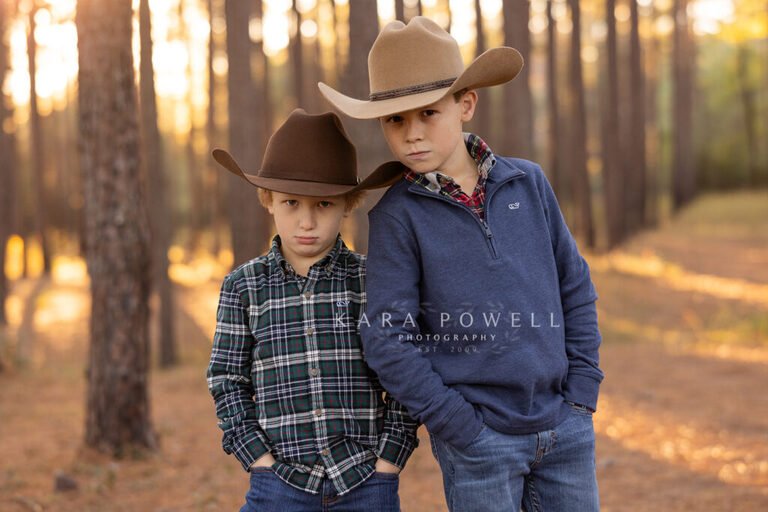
{"points": [[411, 89]]}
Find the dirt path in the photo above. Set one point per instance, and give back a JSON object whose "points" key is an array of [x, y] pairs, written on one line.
{"points": [[682, 425]]}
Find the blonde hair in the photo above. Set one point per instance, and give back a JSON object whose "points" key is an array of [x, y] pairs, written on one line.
{"points": [[352, 199]]}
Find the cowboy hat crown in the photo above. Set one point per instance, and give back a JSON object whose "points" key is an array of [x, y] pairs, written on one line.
{"points": [[413, 65], [308, 155]]}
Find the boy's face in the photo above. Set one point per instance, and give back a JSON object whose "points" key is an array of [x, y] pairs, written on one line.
{"points": [[307, 225], [430, 138]]}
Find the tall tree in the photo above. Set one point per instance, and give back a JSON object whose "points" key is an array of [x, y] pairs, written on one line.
{"points": [[683, 172], [400, 10], [363, 29], [613, 169], [37, 146], [214, 196], [249, 222], [297, 58], [117, 233], [154, 173], [578, 140], [636, 185], [748, 103], [518, 109], [196, 214], [555, 151], [7, 170], [482, 119]]}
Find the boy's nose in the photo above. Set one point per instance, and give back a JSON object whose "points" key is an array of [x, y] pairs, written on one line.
{"points": [[413, 132], [307, 220]]}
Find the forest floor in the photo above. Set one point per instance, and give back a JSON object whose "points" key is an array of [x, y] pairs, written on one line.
{"points": [[683, 413]]}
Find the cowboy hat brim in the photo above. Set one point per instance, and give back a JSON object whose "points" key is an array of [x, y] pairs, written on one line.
{"points": [[384, 176], [493, 67]]}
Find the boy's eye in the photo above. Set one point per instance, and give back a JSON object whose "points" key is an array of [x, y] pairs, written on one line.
{"points": [[429, 113], [394, 119], [325, 204], [291, 202]]}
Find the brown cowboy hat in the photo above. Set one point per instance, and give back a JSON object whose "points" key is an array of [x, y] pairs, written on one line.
{"points": [[414, 65], [309, 155]]}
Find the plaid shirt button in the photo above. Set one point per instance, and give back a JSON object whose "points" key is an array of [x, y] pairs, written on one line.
{"points": [[325, 451], [314, 372], [310, 331], [318, 412]]}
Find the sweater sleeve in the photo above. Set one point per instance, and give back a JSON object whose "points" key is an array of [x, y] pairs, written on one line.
{"points": [[578, 296], [390, 325]]}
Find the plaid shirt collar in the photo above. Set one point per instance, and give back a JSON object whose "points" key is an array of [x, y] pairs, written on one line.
{"points": [[478, 150], [327, 263]]}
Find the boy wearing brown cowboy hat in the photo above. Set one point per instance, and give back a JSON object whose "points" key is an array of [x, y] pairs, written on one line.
{"points": [[298, 406], [481, 313]]}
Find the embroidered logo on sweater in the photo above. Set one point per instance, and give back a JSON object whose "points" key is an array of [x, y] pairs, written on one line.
{"points": [[514, 206]]}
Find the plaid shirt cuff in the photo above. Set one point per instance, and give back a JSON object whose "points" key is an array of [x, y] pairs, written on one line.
{"points": [[396, 449], [249, 449]]}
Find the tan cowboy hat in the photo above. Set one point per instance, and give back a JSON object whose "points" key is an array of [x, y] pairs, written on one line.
{"points": [[309, 155], [414, 65]]}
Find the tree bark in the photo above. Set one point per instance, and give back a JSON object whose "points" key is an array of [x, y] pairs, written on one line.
{"points": [[297, 60], [154, 174], [636, 179], [37, 148], [683, 173], [213, 176], [363, 29], [117, 234], [481, 123], [555, 151], [748, 105], [518, 111], [613, 186], [249, 222], [7, 170], [578, 141], [400, 10]]}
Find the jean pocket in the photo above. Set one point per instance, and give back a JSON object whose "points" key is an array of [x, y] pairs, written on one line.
{"points": [[580, 409]]}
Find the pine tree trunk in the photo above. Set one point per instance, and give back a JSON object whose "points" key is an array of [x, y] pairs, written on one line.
{"points": [[749, 107], [249, 222], [363, 29], [578, 150], [554, 171], [116, 242], [636, 180], [215, 216], [518, 109], [154, 173], [613, 194], [683, 173], [7, 170], [481, 123], [37, 148], [297, 60]]}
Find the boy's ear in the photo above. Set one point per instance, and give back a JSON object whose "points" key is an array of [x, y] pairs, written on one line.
{"points": [[468, 102]]}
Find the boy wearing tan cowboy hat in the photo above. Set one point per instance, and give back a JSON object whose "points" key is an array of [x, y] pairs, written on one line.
{"points": [[298, 406], [481, 313]]}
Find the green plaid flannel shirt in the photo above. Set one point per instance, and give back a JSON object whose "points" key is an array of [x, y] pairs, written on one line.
{"points": [[288, 376]]}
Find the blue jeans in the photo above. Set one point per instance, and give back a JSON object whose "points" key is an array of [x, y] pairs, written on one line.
{"points": [[268, 493], [549, 471]]}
